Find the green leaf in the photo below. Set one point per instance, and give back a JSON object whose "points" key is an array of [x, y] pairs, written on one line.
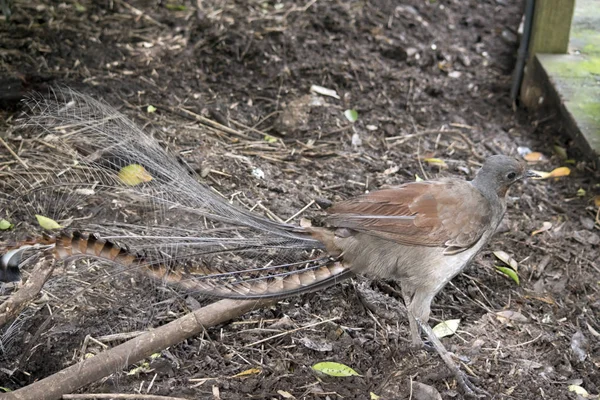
{"points": [[3, 389], [176, 7], [270, 139], [334, 369], [351, 115], [5, 225], [47, 223], [134, 174], [80, 7], [561, 152], [446, 328], [150, 108], [511, 273], [581, 192]]}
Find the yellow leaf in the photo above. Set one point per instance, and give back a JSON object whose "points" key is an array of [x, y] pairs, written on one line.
{"points": [[143, 368], [446, 328], [334, 369], [374, 396], [557, 173], [285, 395], [270, 139], [47, 223], [597, 200], [534, 157], [581, 192], [579, 390], [418, 178], [545, 227], [436, 161], [251, 371], [134, 174]]}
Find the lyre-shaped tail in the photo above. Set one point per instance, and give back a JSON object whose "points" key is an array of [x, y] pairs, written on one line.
{"points": [[179, 229]]}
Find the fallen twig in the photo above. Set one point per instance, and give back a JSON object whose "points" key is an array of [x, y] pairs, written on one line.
{"points": [[127, 396], [19, 300], [291, 331], [15, 155], [117, 358]]}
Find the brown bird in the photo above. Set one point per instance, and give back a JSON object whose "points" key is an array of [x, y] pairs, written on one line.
{"points": [[420, 234]]}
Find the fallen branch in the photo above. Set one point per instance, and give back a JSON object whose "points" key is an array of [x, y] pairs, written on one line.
{"points": [[102, 365], [11, 308], [112, 396]]}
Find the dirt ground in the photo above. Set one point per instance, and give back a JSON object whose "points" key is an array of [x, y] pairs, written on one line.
{"points": [[429, 79]]}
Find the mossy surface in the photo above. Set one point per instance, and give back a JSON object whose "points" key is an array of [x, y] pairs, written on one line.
{"points": [[573, 66], [585, 28]]}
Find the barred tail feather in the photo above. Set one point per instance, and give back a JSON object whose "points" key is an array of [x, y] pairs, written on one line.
{"points": [[278, 282]]}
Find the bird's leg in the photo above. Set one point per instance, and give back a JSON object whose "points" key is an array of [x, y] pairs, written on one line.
{"points": [[408, 295], [414, 326], [462, 379]]}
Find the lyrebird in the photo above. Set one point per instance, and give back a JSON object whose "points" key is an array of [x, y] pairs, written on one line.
{"points": [[421, 234]]}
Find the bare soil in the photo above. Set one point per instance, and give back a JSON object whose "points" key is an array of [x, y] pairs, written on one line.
{"points": [[429, 79]]}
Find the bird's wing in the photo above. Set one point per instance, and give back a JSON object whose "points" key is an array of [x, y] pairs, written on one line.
{"points": [[449, 213]]}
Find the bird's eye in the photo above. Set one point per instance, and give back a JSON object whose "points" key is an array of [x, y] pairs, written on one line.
{"points": [[511, 175]]}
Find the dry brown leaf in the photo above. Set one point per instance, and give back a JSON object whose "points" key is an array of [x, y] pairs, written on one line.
{"points": [[546, 226], [545, 299], [251, 371], [507, 259], [507, 316], [556, 173], [534, 157]]}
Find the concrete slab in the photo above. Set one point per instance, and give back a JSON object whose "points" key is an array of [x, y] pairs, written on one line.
{"points": [[574, 79]]}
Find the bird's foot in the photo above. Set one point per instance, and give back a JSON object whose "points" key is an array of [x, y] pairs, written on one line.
{"points": [[418, 344], [469, 389]]}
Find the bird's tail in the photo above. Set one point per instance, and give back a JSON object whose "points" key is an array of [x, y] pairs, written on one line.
{"points": [[147, 210]]}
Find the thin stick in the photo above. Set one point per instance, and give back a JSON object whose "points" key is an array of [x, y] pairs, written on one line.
{"points": [[102, 365], [300, 212], [15, 155], [212, 123], [292, 331]]}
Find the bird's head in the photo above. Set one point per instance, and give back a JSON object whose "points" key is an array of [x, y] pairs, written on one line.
{"points": [[499, 173]]}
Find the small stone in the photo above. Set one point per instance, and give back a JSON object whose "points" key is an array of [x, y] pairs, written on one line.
{"points": [[587, 223]]}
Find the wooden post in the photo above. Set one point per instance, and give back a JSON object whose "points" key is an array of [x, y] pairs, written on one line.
{"points": [[549, 35]]}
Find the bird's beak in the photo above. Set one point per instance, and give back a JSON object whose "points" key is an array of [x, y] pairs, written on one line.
{"points": [[531, 174]]}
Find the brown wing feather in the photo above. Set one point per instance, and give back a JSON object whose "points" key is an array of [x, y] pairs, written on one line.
{"points": [[448, 213]]}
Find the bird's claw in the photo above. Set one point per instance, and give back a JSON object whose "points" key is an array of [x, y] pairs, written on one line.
{"points": [[469, 389]]}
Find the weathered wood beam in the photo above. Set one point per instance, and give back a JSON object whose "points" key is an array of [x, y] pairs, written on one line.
{"points": [[550, 35]]}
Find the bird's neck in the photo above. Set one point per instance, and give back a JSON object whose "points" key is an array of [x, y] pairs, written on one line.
{"points": [[493, 193]]}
